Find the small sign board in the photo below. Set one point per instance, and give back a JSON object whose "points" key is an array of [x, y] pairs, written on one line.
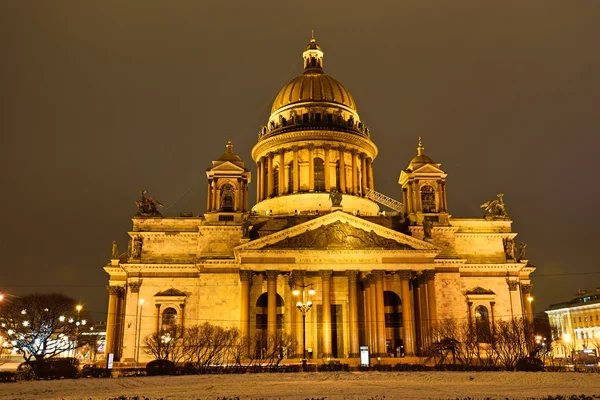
{"points": [[364, 355], [109, 360]]}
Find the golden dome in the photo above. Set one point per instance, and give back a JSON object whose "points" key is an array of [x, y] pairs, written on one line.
{"points": [[313, 86], [229, 155]]}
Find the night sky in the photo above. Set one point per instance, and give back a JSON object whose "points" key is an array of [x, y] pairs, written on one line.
{"points": [[101, 99]]}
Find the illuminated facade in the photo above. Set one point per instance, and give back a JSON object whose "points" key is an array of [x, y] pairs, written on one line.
{"points": [[381, 279], [575, 323]]}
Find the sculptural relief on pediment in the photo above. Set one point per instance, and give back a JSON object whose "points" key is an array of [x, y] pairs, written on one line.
{"points": [[338, 235]]}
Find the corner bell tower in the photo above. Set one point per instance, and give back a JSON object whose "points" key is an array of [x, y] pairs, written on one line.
{"points": [[227, 184], [424, 189]]}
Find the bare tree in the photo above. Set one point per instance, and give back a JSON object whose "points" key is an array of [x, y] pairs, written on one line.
{"points": [[165, 345], [510, 341], [208, 345], [41, 326]]}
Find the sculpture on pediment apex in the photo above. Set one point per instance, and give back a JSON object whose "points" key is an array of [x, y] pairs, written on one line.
{"points": [[147, 206], [336, 197], [495, 208]]}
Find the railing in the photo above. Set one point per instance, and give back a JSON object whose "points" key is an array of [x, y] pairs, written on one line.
{"points": [[385, 200]]}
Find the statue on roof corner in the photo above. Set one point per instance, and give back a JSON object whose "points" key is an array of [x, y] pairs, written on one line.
{"points": [[147, 206], [495, 208], [336, 197]]}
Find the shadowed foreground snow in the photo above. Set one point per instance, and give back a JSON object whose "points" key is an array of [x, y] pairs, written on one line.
{"points": [[333, 385]]}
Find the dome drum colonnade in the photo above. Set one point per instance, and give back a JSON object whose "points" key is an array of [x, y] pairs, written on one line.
{"points": [[418, 308], [313, 143]]}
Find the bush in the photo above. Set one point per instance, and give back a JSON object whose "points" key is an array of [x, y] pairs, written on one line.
{"points": [[529, 364], [94, 371], [160, 367], [8, 376], [333, 366], [53, 368]]}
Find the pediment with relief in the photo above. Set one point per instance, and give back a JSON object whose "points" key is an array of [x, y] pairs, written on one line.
{"points": [[337, 230], [338, 235]]}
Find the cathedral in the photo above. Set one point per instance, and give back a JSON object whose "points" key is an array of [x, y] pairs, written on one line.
{"points": [[316, 257]]}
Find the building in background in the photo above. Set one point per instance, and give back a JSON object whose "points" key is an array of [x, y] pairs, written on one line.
{"points": [[575, 325], [383, 279]]}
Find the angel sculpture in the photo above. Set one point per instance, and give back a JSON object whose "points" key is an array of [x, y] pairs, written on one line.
{"points": [[495, 208], [147, 206]]}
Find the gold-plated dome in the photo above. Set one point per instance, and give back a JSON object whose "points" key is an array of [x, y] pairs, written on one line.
{"points": [[313, 87]]}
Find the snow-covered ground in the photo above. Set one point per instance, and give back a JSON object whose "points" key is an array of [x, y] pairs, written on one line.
{"points": [[333, 385]]}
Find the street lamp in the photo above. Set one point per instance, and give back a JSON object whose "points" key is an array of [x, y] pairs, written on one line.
{"points": [[304, 306], [139, 329]]}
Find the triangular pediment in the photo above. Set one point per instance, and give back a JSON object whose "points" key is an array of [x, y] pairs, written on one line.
{"points": [[428, 169], [337, 230], [227, 166]]}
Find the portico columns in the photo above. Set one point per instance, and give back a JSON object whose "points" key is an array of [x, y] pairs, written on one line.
{"points": [[407, 315], [515, 301], [368, 318], [353, 314], [112, 330], [272, 302], [326, 148], [209, 196], [342, 150], [246, 282], [380, 313], [425, 317], [326, 307], [429, 275]]}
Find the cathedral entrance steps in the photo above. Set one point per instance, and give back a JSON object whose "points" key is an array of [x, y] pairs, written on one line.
{"points": [[385, 200]]}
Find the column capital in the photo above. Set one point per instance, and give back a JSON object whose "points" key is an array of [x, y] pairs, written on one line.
{"points": [[272, 275], [526, 287], [421, 279], [378, 273], [341, 147], [352, 274], [246, 276], [134, 286], [353, 151], [325, 274], [429, 275], [295, 148], [363, 156], [512, 284], [369, 160], [271, 154], [311, 146], [326, 146], [405, 275], [115, 290], [281, 151]]}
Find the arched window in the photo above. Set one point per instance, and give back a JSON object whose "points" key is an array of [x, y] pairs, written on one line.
{"points": [[227, 196], [276, 182], [291, 177], [319, 175], [427, 199], [482, 324], [169, 319]]}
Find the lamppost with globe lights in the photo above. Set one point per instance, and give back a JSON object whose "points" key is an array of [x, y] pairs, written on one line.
{"points": [[304, 306]]}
